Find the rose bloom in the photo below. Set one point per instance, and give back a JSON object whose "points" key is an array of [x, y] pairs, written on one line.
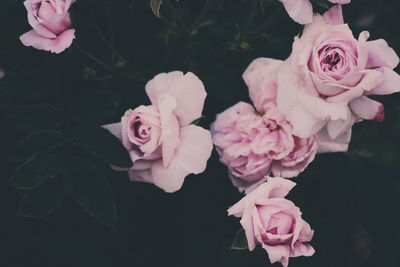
{"points": [[301, 11], [164, 146], [274, 222], [50, 22], [323, 87], [248, 143]]}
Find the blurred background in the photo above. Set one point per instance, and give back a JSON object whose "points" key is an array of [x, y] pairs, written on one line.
{"points": [[351, 199]]}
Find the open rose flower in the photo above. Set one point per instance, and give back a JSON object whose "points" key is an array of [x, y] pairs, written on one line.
{"points": [[255, 142], [50, 22], [248, 142], [274, 222], [261, 77], [164, 146], [323, 87], [301, 11]]}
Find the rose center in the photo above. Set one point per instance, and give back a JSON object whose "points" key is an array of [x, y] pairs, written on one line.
{"points": [[141, 131], [46, 10], [280, 223]]}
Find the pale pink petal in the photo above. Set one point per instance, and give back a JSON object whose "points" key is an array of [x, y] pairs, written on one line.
{"points": [[367, 108], [115, 129], [301, 249], [371, 79], [300, 103], [390, 84], [300, 11], [340, 126], [186, 88], [278, 253], [334, 16], [57, 45], [247, 224], [381, 55], [326, 144], [190, 157], [261, 79], [170, 128]]}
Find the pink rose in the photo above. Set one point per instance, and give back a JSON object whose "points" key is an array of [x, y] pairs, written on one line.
{"points": [[50, 21], [301, 11], [323, 87], [249, 142], [274, 222], [300, 157], [164, 146], [261, 78]]}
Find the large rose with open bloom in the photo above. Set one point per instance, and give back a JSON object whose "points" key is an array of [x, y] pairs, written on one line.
{"points": [[50, 22], [249, 142], [301, 11], [323, 87], [164, 146], [274, 222]]}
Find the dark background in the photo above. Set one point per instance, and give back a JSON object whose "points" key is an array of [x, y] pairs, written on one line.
{"points": [[350, 199]]}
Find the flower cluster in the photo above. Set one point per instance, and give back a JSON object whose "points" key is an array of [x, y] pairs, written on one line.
{"points": [[256, 141], [303, 105]]}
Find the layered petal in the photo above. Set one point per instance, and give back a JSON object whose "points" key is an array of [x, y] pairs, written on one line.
{"points": [[300, 11], [187, 89], [261, 79], [190, 157], [57, 45]]}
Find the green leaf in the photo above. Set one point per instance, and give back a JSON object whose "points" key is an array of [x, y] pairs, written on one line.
{"points": [[36, 143], [155, 7], [43, 201], [35, 172], [86, 185], [35, 117], [102, 144], [240, 241]]}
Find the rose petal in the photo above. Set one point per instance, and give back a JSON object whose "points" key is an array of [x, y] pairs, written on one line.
{"points": [[367, 108], [390, 83], [190, 157], [115, 129], [261, 79], [326, 144], [334, 15], [381, 55], [186, 88], [278, 253], [170, 128], [57, 45], [300, 11]]}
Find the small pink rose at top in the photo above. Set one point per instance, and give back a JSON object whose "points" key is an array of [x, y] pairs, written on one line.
{"points": [[274, 222], [325, 84], [164, 146], [301, 11], [50, 21]]}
